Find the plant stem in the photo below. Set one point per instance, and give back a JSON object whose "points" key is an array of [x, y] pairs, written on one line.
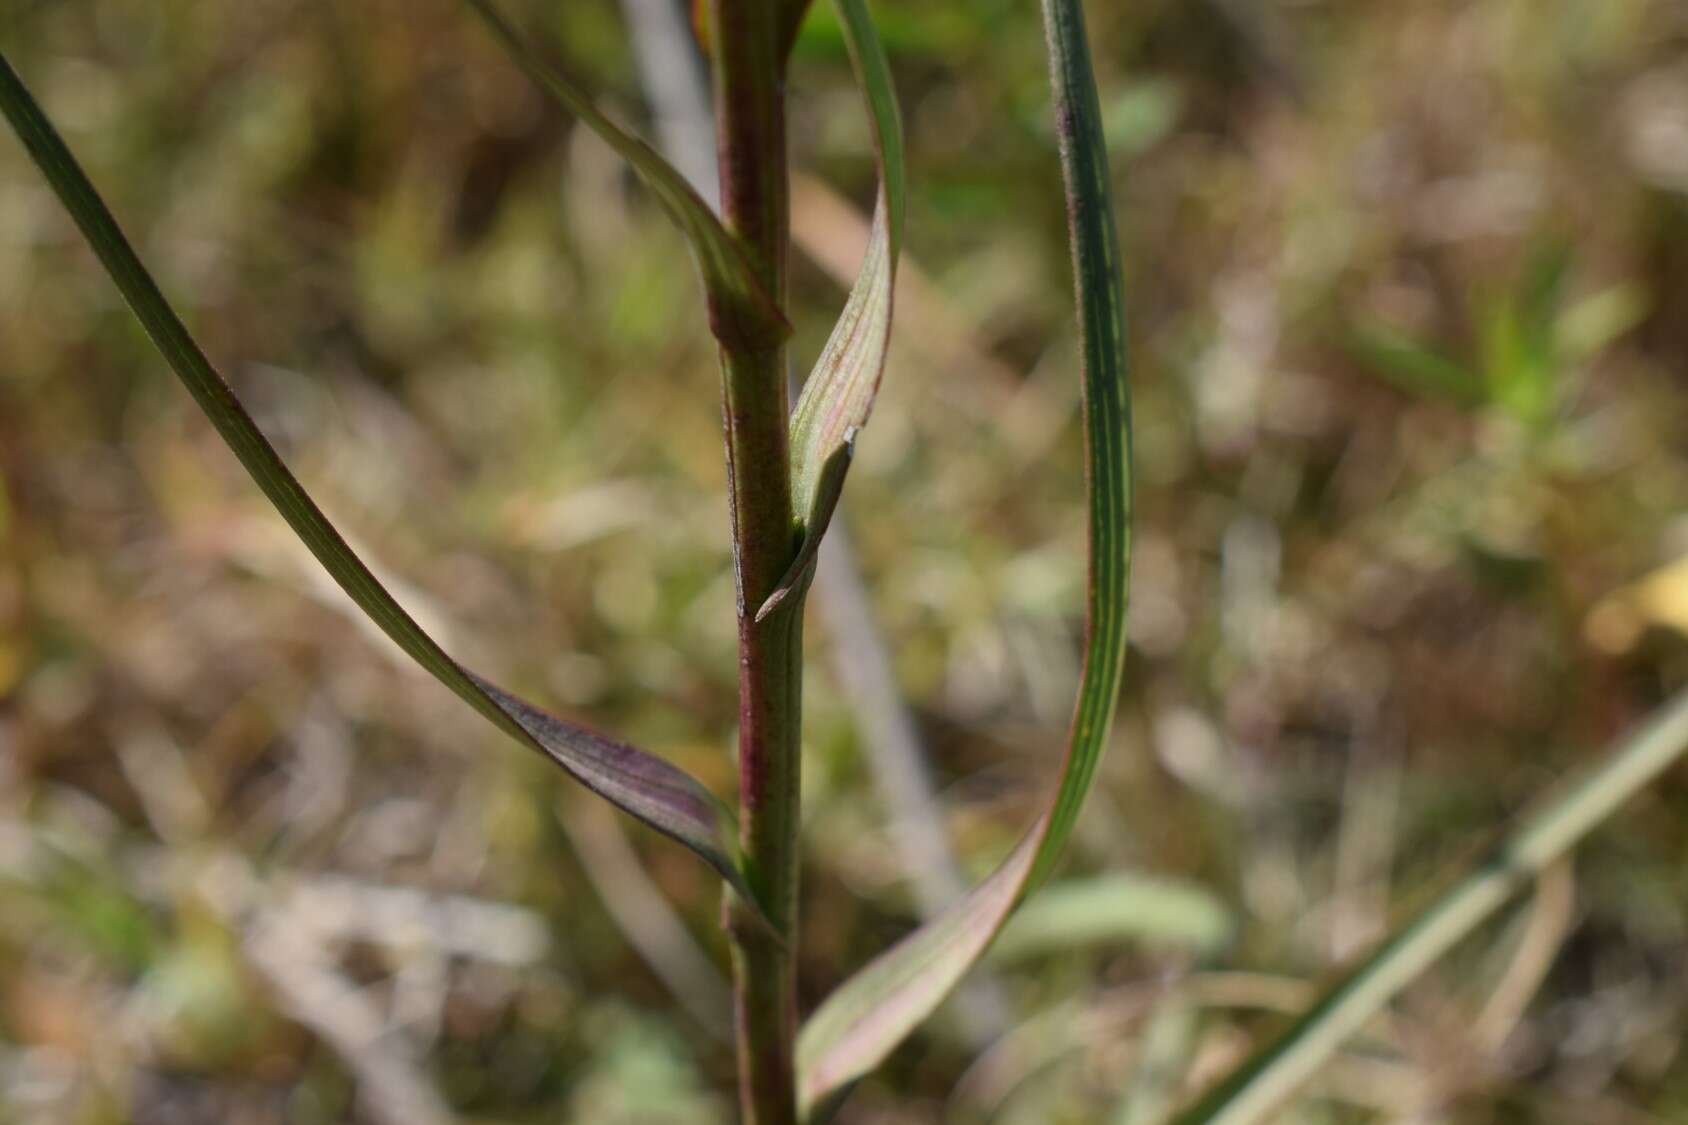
{"points": [[750, 132]]}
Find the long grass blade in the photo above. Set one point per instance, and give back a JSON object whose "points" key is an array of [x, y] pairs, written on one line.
{"points": [[838, 395], [646, 786], [741, 311], [1262, 1082], [876, 1009]]}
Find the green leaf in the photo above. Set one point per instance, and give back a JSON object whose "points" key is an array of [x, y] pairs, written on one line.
{"points": [[1260, 1084], [877, 1008], [1599, 320], [651, 789], [1108, 909], [741, 311], [839, 393], [1519, 339], [1142, 114], [1415, 368]]}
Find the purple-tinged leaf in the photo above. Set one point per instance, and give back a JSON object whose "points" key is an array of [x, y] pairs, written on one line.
{"points": [[865, 1019], [646, 786]]}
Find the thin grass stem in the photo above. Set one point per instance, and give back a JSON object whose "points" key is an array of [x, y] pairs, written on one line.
{"points": [[1264, 1081]]}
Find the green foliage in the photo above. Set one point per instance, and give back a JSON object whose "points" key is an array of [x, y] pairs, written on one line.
{"points": [[1260, 1084], [871, 1013], [646, 786], [898, 991], [1529, 346], [1333, 576], [1117, 909]]}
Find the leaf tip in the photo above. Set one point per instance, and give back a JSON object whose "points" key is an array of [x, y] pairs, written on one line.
{"points": [[826, 501]]}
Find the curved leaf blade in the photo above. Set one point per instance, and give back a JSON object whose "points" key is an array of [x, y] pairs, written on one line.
{"points": [[655, 791], [741, 311], [876, 1009], [838, 395]]}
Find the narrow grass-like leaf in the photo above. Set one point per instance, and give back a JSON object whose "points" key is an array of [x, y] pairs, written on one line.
{"points": [[1262, 1082], [839, 393], [1415, 368], [646, 786], [876, 1009], [741, 311]]}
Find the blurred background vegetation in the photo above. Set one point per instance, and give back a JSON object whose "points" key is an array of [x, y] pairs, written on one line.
{"points": [[1410, 291]]}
